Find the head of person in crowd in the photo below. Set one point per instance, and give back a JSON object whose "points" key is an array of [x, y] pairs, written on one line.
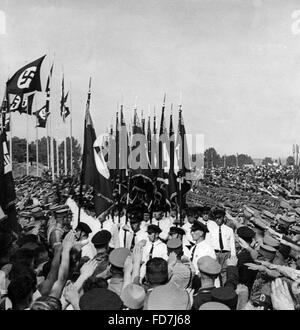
{"points": [[133, 297], [282, 255], [156, 272], [176, 232], [192, 214], [168, 297], [25, 257], [157, 212], [153, 233], [209, 270], [266, 253], [225, 295], [101, 241], [64, 217], [175, 245], [198, 231], [94, 282], [219, 216], [46, 303], [21, 289], [82, 231], [117, 259], [100, 299], [205, 211], [146, 216], [247, 234], [135, 219]]}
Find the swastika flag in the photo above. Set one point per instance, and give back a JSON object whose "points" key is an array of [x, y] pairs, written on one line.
{"points": [[27, 79]]}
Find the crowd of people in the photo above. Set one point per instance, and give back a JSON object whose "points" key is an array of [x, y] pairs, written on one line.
{"points": [[216, 254]]}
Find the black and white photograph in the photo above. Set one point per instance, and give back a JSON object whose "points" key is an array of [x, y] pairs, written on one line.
{"points": [[149, 158]]}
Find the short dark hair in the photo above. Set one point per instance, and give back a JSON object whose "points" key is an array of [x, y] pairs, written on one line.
{"points": [[94, 282], [157, 271], [23, 256], [20, 288]]}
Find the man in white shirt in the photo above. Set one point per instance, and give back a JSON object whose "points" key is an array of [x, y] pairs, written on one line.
{"points": [[188, 241], [222, 239], [210, 224], [134, 233], [164, 223], [154, 247], [201, 248]]}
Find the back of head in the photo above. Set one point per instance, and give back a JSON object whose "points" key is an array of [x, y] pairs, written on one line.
{"points": [[100, 299], [24, 256], [94, 282], [157, 271], [46, 303], [21, 289]]}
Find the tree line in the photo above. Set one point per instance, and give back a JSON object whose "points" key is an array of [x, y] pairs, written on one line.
{"points": [[19, 152]]}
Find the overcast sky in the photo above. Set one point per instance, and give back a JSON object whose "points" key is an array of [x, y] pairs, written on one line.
{"points": [[236, 63]]}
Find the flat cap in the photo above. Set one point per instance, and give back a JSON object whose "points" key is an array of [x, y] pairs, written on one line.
{"points": [[118, 256], [133, 296], [197, 225], [208, 265], [245, 232], [100, 299], [84, 227], [267, 251], [174, 243], [102, 237], [214, 306], [153, 229]]}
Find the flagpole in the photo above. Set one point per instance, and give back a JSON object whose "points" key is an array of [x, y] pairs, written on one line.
{"points": [[47, 132], [37, 143], [82, 167], [65, 150], [57, 158], [51, 147], [71, 140], [27, 145]]}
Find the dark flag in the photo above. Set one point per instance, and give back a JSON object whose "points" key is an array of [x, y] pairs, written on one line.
{"points": [[27, 79], [48, 89], [161, 194], [183, 162], [94, 168], [141, 184], [173, 185], [5, 116], [42, 116], [64, 109], [7, 191], [22, 103]]}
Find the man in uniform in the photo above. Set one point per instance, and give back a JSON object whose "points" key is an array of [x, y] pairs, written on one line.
{"points": [[134, 233], [201, 247], [101, 243]]}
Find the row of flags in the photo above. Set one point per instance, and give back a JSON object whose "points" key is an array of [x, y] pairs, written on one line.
{"points": [[116, 179], [20, 91]]}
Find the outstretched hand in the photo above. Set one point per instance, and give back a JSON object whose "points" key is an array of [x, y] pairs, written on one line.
{"points": [[280, 296]]}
